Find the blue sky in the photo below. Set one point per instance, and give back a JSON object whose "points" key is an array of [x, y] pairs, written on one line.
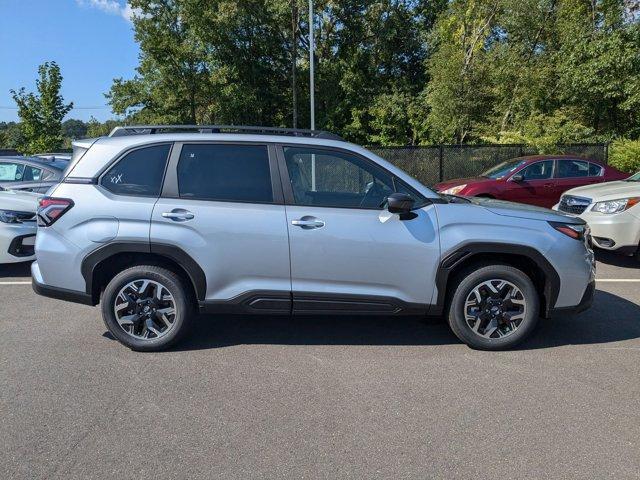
{"points": [[92, 41]]}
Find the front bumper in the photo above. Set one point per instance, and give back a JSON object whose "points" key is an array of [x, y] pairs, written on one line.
{"points": [[617, 232], [17, 242], [585, 302]]}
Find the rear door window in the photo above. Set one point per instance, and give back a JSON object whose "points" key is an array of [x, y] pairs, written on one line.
{"points": [[138, 173], [225, 172], [572, 168]]}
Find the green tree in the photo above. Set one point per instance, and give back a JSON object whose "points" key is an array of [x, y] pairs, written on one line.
{"points": [[41, 114], [232, 62], [98, 129], [73, 128], [10, 135]]}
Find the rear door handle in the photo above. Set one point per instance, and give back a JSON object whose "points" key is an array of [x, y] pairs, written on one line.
{"points": [[308, 222], [178, 215]]}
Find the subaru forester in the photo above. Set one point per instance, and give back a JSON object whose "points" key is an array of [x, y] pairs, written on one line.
{"points": [[158, 223]]}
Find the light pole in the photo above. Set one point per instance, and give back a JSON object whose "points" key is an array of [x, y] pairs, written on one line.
{"points": [[311, 92], [311, 67]]}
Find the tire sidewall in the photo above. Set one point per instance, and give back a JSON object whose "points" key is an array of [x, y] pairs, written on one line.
{"points": [[465, 286], [171, 282]]}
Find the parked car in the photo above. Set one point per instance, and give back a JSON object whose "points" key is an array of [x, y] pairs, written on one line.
{"points": [[535, 180], [31, 174], [268, 221], [612, 210], [17, 225]]}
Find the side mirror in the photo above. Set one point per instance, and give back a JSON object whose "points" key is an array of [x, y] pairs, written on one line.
{"points": [[518, 177], [400, 203]]}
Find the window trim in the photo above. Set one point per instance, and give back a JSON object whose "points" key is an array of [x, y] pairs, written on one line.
{"points": [[121, 156], [285, 180], [557, 169], [171, 190]]}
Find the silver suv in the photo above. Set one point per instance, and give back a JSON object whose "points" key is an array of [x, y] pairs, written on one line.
{"points": [[157, 223]]}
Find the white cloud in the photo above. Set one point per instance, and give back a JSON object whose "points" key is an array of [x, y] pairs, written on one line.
{"points": [[113, 7]]}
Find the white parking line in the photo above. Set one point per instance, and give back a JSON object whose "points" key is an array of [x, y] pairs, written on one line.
{"points": [[621, 280], [15, 283]]}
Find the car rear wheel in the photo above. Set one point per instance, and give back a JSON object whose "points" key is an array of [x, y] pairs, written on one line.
{"points": [[493, 307], [147, 308]]}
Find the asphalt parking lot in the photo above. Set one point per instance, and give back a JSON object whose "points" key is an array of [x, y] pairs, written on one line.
{"points": [[320, 397]]}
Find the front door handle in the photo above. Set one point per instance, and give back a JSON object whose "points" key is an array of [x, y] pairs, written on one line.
{"points": [[178, 215], [308, 222]]}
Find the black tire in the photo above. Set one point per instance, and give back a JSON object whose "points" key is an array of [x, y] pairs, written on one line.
{"points": [[176, 286], [464, 285]]}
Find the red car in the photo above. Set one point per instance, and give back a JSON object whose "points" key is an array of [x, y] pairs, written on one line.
{"points": [[536, 180]]}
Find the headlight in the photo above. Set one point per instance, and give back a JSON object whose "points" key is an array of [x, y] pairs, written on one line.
{"points": [[454, 190], [11, 216], [615, 206]]}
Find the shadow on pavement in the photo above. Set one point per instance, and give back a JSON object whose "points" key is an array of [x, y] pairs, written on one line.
{"points": [[15, 270], [213, 332], [617, 260], [611, 319]]}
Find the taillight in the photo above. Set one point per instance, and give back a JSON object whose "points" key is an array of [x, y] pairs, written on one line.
{"points": [[573, 230], [51, 209]]}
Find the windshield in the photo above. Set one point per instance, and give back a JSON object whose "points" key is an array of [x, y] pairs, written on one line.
{"points": [[634, 178], [503, 169]]}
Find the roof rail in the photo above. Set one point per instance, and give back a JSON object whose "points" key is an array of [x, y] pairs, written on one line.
{"points": [[154, 129]]}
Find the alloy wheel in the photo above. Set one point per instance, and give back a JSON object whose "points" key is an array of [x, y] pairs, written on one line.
{"points": [[145, 309], [495, 308]]}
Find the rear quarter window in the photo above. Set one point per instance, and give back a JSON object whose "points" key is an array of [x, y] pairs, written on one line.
{"points": [[595, 170], [139, 172]]}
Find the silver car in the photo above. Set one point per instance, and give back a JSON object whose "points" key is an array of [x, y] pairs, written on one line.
{"points": [[31, 174], [157, 223]]}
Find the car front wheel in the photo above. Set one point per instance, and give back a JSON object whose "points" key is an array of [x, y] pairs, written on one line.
{"points": [[493, 307], [147, 308]]}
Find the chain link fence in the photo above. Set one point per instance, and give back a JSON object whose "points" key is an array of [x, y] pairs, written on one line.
{"points": [[434, 164]]}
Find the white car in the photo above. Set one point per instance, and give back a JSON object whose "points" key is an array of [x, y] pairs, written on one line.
{"points": [[612, 210], [17, 225]]}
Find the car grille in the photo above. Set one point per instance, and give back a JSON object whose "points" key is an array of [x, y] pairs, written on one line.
{"points": [[575, 205]]}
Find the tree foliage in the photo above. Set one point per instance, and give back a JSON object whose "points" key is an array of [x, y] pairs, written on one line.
{"points": [[541, 70], [41, 114], [624, 154], [394, 71], [388, 72], [230, 62]]}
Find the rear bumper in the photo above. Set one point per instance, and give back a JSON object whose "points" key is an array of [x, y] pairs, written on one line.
{"points": [[56, 292]]}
